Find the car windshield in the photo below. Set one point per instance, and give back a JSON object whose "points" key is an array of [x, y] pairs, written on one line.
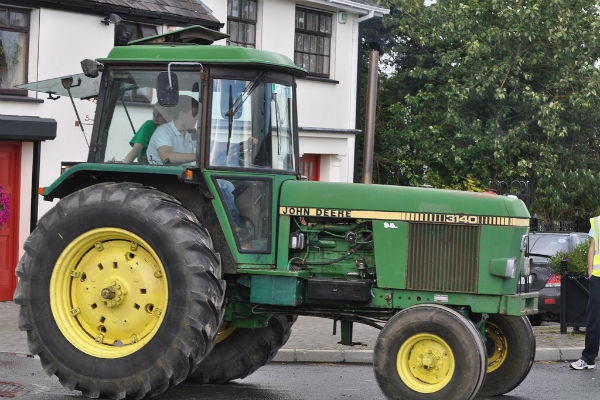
{"points": [[550, 244]]}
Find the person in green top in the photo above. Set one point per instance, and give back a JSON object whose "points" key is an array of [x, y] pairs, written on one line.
{"points": [[139, 142]]}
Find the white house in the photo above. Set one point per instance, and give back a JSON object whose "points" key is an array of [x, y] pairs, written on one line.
{"points": [[43, 39]]}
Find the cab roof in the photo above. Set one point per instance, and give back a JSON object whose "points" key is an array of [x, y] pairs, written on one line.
{"points": [[213, 54]]}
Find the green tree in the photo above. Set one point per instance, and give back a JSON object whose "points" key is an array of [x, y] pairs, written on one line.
{"points": [[483, 90]]}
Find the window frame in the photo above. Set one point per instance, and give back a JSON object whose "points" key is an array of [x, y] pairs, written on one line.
{"points": [[135, 30], [105, 135], [247, 21], [18, 29], [264, 78], [303, 32]]}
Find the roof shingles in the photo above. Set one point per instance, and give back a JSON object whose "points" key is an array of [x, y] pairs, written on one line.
{"points": [[170, 12]]}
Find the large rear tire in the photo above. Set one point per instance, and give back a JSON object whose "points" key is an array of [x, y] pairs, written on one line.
{"points": [[241, 351], [510, 343], [429, 352], [120, 291]]}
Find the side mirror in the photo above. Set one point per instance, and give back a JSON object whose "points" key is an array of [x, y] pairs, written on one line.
{"points": [[167, 88], [91, 68]]}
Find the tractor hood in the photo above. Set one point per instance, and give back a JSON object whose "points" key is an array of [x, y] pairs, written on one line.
{"points": [[353, 200]]}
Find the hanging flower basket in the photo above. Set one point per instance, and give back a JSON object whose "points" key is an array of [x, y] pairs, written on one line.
{"points": [[4, 207]]}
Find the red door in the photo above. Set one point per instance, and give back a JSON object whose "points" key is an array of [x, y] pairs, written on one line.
{"points": [[310, 166], [10, 169]]}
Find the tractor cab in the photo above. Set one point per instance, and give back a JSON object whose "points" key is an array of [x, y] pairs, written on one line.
{"points": [[234, 118]]}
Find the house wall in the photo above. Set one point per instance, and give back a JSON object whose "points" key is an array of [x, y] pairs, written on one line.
{"points": [[58, 41]]}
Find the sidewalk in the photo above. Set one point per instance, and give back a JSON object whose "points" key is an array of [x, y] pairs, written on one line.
{"points": [[312, 341]]}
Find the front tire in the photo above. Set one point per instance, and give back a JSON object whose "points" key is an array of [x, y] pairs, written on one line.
{"points": [[429, 351], [242, 351], [510, 345], [120, 291]]}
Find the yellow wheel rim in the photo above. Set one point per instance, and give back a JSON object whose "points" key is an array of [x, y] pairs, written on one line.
{"points": [[108, 293], [425, 363], [224, 332], [500, 346]]}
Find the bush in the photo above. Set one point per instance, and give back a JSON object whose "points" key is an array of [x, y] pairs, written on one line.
{"points": [[577, 257]]}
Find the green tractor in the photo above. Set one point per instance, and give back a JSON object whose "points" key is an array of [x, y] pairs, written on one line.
{"points": [[192, 262]]}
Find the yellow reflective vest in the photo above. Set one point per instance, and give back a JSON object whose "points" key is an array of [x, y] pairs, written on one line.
{"points": [[595, 231]]}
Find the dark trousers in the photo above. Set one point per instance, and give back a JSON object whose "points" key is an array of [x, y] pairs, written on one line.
{"points": [[592, 330]]}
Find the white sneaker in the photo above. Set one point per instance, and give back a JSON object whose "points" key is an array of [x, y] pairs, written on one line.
{"points": [[580, 364]]}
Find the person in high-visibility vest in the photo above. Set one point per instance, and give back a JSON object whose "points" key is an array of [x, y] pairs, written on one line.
{"points": [[592, 329]]}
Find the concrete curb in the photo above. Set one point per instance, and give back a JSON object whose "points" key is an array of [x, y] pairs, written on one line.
{"points": [[324, 356], [287, 355], [366, 356], [554, 354]]}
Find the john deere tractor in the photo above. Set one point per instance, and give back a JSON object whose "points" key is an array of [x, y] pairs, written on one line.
{"points": [[152, 271]]}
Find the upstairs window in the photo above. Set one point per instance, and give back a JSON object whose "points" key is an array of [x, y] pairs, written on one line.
{"points": [[126, 31], [14, 39], [312, 50], [241, 23]]}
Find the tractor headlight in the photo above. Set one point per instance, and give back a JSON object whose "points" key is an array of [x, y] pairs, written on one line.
{"points": [[503, 267], [511, 268]]}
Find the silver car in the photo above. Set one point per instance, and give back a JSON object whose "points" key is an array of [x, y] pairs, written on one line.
{"points": [[540, 249]]}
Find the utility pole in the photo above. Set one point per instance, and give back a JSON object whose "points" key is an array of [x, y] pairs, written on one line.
{"points": [[370, 117]]}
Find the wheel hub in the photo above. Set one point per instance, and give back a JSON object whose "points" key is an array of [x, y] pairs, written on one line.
{"points": [[113, 295], [428, 361]]}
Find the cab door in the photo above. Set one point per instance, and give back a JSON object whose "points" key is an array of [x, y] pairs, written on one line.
{"points": [[245, 205], [250, 148]]}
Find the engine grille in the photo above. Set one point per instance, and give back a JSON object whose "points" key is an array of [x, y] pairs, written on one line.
{"points": [[443, 257]]}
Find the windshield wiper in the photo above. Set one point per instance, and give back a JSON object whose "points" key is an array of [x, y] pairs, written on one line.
{"points": [[234, 106], [242, 97]]}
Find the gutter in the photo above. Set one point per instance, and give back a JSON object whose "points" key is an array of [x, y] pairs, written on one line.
{"points": [[364, 11], [370, 15]]}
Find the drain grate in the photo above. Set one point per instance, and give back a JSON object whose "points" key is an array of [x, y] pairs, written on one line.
{"points": [[11, 390]]}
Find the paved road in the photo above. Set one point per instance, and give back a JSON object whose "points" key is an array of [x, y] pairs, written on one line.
{"points": [[22, 378], [296, 376]]}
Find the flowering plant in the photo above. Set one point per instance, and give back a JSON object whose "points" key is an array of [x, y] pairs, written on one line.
{"points": [[4, 207]]}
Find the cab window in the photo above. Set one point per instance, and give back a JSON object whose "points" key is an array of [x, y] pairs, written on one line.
{"points": [[251, 125]]}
